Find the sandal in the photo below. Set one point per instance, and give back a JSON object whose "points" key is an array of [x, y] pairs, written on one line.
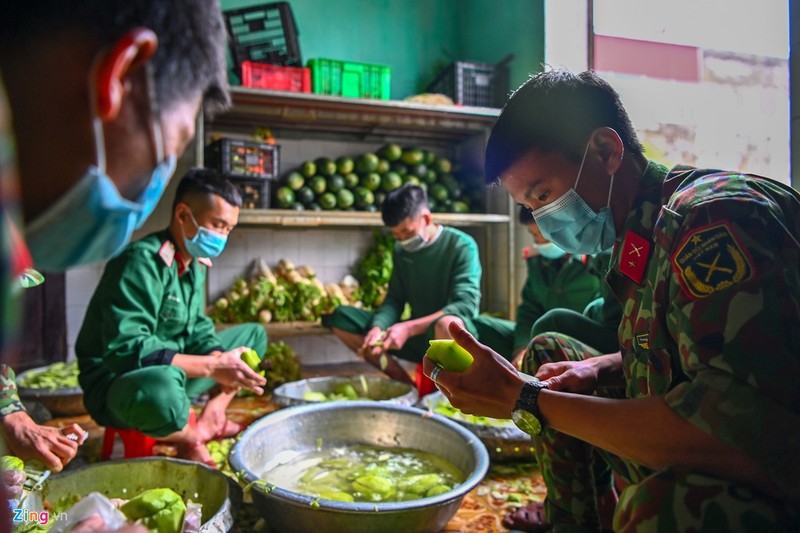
{"points": [[530, 518]]}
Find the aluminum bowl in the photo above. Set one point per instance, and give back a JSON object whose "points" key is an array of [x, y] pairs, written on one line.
{"points": [[219, 494], [377, 388], [504, 441], [67, 401], [298, 429]]}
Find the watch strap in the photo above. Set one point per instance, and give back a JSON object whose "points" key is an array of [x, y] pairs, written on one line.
{"points": [[529, 397]]}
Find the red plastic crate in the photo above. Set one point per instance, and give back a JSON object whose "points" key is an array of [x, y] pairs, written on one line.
{"points": [[264, 76]]}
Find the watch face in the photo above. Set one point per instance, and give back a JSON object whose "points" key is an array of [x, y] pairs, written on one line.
{"points": [[526, 422]]}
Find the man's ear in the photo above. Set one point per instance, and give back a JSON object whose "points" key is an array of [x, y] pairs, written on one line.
{"points": [[608, 145], [426, 216], [113, 68], [181, 212]]}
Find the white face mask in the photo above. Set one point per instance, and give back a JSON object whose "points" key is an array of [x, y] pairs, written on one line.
{"points": [[413, 244]]}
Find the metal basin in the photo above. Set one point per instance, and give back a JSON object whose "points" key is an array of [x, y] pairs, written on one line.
{"points": [[349, 423], [67, 401], [504, 441], [219, 495], [372, 387]]}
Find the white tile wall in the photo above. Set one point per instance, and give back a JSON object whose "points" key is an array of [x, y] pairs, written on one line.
{"points": [[332, 253], [80, 285]]}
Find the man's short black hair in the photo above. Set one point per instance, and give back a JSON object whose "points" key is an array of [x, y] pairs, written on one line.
{"points": [[404, 202], [556, 111], [190, 59], [525, 216], [204, 182]]}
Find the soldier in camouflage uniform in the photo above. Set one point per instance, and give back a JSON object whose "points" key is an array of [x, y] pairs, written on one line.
{"points": [[699, 413]]}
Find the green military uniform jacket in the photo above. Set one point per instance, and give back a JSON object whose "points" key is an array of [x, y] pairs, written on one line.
{"points": [[146, 309], [553, 283], [445, 276], [708, 274]]}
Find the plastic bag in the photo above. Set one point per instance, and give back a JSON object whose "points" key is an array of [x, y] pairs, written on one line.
{"points": [[93, 504], [193, 518]]}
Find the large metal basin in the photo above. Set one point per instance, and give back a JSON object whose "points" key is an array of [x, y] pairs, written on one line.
{"points": [[348, 423], [504, 440], [219, 495], [374, 387], [66, 401]]}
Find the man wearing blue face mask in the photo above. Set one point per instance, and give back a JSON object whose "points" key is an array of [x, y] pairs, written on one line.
{"points": [[698, 411], [146, 348], [555, 279], [437, 271], [112, 89]]}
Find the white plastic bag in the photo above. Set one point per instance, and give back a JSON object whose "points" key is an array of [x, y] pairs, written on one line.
{"points": [[93, 504]]}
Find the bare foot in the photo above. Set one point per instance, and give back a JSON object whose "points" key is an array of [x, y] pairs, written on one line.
{"points": [[213, 422], [231, 429], [198, 453]]}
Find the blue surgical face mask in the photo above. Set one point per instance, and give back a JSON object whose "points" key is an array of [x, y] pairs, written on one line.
{"points": [[549, 250], [205, 243], [572, 225], [93, 221]]}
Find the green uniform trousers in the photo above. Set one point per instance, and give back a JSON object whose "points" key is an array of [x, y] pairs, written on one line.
{"points": [[498, 333], [586, 326], [156, 399], [666, 500], [359, 321]]}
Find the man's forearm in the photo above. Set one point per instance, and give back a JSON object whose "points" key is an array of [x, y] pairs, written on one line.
{"points": [[195, 366], [420, 325]]}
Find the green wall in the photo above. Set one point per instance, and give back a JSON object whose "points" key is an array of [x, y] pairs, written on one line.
{"points": [[417, 38]]}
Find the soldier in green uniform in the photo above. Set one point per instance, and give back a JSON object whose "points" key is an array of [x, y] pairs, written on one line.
{"points": [[555, 280], [146, 348], [437, 271], [699, 411]]}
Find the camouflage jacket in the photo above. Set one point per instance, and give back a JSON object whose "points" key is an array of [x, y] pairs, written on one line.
{"points": [[14, 258], [708, 275]]}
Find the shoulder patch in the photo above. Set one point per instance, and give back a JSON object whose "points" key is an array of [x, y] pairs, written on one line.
{"points": [[710, 259], [634, 256], [167, 253]]}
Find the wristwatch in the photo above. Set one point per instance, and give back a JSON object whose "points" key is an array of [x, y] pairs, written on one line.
{"points": [[526, 414]]}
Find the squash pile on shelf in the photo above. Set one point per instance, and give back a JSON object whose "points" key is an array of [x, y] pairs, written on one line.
{"points": [[360, 183], [287, 294]]}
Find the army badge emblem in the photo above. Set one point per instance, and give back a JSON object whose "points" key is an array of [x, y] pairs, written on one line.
{"points": [[710, 259]]}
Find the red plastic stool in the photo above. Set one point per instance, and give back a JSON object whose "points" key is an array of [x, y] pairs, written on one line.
{"points": [[136, 444], [424, 384]]}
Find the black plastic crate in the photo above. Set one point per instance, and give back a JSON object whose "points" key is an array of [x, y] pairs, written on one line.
{"points": [[473, 84], [265, 34], [244, 159], [256, 194]]}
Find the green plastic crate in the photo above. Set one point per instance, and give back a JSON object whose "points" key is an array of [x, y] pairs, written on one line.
{"points": [[346, 78]]}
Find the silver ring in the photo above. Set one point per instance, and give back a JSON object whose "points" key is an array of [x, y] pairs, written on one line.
{"points": [[435, 372]]}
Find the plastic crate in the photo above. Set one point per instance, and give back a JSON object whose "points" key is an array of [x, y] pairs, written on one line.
{"points": [[265, 34], [473, 84], [346, 78], [256, 193], [244, 159], [263, 76]]}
